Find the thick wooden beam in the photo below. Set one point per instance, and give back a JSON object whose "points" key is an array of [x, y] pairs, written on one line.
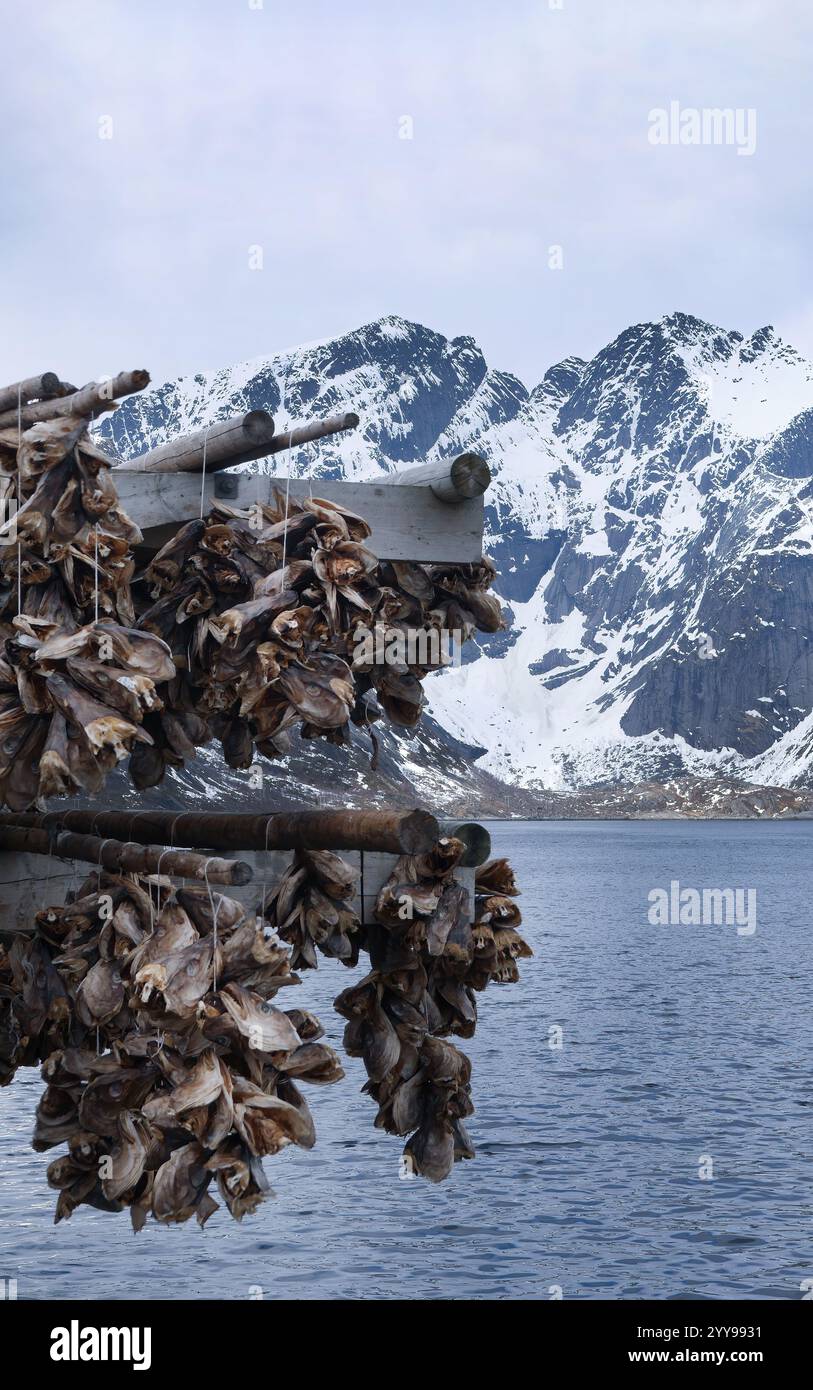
{"points": [[34, 388], [463, 478], [396, 832], [222, 444], [407, 524], [118, 856], [240, 439], [90, 401]]}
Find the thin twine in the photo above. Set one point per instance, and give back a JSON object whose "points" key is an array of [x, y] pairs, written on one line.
{"points": [[18, 486], [203, 470], [166, 850], [288, 472], [108, 841], [215, 909], [265, 869], [100, 865], [172, 829], [96, 574], [309, 466], [287, 492], [42, 892]]}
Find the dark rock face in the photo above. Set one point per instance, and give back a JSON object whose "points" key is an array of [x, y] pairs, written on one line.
{"points": [[651, 517], [790, 453]]}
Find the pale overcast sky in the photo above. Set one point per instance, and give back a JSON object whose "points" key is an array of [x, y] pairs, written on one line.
{"points": [[239, 124]]}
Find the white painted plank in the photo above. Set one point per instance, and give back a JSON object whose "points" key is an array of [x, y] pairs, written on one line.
{"points": [[408, 523]]}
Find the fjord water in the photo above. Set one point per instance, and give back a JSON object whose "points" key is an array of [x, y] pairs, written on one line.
{"points": [[680, 1045]]}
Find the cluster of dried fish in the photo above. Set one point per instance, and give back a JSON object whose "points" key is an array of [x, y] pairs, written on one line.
{"points": [[167, 1066], [75, 680], [244, 631], [427, 962], [277, 618], [310, 908]]}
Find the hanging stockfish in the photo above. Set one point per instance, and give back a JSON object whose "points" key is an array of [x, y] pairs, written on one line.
{"points": [[169, 1067], [310, 909], [75, 679], [280, 620], [427, 963]]}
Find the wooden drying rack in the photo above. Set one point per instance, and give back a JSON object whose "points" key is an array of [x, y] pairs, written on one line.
{"points": [[436, 514], [71, 843], [432, 513]]}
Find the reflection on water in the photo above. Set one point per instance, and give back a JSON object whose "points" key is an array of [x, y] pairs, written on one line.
{"points": [[680, 1045]]}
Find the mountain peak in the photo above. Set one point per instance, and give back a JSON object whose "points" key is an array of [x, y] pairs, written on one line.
{"points": [[688, 327]]}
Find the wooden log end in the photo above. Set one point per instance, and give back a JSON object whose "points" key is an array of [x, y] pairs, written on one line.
{"points": [[259, 425], [470, 475], [419, 831], [476, 839]]}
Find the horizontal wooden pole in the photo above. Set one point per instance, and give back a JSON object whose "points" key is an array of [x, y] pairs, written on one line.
{"points": [[465, 477], [317, 429], [33, 388], [392, 832], [122, 856], [222, 444], [90, 401], [240, 439]]}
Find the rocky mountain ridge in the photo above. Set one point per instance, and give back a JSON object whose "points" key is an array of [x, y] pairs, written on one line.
{"points": [[651, 517]]}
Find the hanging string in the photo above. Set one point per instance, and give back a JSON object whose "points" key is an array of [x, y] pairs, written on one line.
{"points": [[215, 909], [96, 575], [109, 841], [18, 487], [265, 870], [287, 494], [309, 457], [172, 828], [42, 892], [203, 470], [18, 442], [288, 471], [166, 850]]}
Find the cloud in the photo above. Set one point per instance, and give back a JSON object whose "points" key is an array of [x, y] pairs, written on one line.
{"points": [[280, 126]]}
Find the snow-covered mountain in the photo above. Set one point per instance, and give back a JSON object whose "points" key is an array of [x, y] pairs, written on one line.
{"points": [[651, 517]]}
